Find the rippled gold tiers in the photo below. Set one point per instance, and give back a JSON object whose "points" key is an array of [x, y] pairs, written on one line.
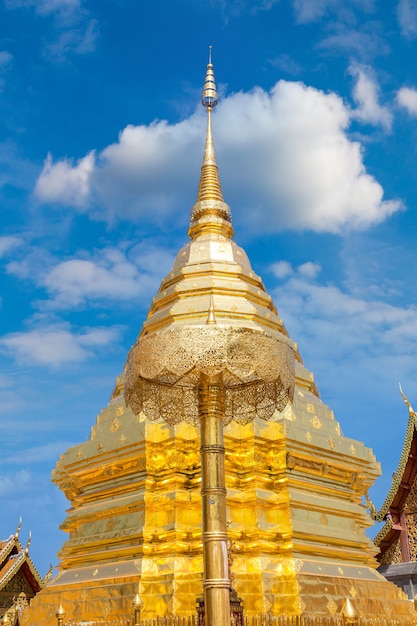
{"points": [[211, 271], [212, 266], [295, 518]]}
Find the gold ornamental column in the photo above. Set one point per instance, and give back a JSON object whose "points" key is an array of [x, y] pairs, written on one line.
{"points": [[216, 583]]}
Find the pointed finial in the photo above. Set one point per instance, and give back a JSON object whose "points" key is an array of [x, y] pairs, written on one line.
{"points": [[28, 543], [210, 212], [370, 505], [348, 612], [410, 408], [60, 614], [137, 602], [48, 575], [16, 535], [211, 318], [137, 606], [209, 97]]}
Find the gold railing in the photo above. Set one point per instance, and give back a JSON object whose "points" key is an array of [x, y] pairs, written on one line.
{"points": [[257, 620], [294, 620]]}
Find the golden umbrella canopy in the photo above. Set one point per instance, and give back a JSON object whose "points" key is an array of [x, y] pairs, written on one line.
{"points": [[164, 369]]}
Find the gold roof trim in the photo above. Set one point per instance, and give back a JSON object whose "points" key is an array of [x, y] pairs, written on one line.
{"points": [[21, 558], [383, 532]]}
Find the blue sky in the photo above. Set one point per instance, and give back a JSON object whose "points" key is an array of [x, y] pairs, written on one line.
{"points": [[101, 142]]}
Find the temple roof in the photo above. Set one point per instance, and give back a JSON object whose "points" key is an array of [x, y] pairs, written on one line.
{"points": [[14, 563], [402, 481], [15, 560]]}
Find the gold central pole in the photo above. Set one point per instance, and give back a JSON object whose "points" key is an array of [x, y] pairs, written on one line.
{"points": [[216, 582]]}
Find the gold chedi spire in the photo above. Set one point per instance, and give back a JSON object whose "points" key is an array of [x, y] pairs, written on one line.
{"points": [[210, 212], [210, 298], [211, 273]]}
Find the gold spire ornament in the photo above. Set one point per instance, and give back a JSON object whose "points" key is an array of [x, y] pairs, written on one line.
{"points": [[194, 363], [348, 613], [210, 203], [60, 614]]}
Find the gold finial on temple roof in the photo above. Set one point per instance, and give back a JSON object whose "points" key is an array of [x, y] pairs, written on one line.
{"points": [[404, 397], [18, 528], [28, 542]]}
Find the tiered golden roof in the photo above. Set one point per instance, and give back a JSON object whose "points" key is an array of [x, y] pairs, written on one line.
{"points": [[211, 272]]}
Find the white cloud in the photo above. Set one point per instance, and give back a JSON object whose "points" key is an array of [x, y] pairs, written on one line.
{"points": [[74, 280], [67, 10], [266, 142], [282, 269], [407, 98], [370, 339], [11, 484], [37, 454], [366, 95], [407, 17], [234, 8], [32, 263], [313, 10], [274, 141], [309, 269], [363, 42], [351, 324], [76, 31], [101, 277], [64, 182], [285, 63], [5, 58], [109, 275], [79, 40], [56, 346], [8, 242], [15, 170], [46, 7]]}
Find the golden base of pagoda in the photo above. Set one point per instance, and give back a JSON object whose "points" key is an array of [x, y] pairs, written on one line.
{"points": [[93, 601], [379, 599], [304, 588]]}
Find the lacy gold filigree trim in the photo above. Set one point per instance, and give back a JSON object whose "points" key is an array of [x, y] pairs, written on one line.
{"points": [[164, 370]]}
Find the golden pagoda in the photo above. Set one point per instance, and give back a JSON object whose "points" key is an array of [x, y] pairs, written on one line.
{"points": [[225, 475]]}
